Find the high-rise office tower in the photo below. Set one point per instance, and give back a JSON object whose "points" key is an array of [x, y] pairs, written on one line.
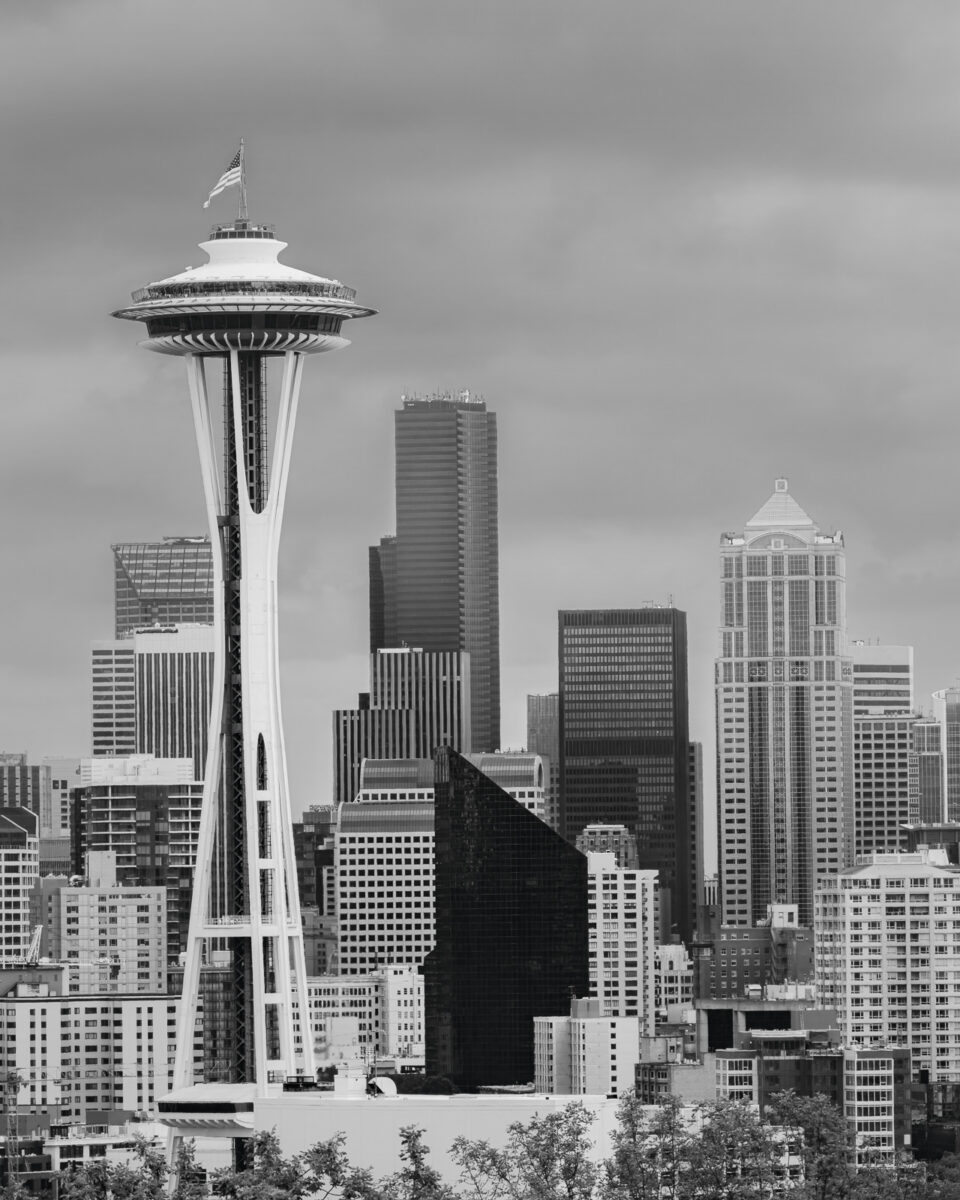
{"points": [[946, 710], [885, 775], [784, 703], [624, 742], [543, 738], [174, 671], [882, 678], [153, 691], [697, 836], [418, 700], [511, 929], [113, 699], [436, 584], [248, 321], [162, 583], [928, 747]]}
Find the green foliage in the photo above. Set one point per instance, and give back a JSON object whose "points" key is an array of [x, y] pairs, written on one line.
{"points": [[725, 1153], [825, 1147], [545, 1159]]}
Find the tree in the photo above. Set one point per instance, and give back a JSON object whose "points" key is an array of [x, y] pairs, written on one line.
{"points": [[416, 1179], [191, 1180], [735, 1156], [825, 1149], [548, 1158], [271, 1177], [650, 1150]]}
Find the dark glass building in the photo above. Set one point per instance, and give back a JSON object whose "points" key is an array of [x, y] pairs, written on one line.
{"points": [[165, 583], [624, 742], [435, 585], [511, 929]]}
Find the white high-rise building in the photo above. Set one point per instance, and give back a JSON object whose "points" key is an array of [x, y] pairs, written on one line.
{"points": [[110, 938], [385, 871], [585, 1054], [784, 701], [623, 919], [20, 868], [887, 956], [83, 1056]]}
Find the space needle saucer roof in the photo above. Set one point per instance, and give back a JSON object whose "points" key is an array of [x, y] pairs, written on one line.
{"points": [[243, 297]]}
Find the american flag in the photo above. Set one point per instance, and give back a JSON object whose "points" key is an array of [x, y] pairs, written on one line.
{"points": [[230, 176]]}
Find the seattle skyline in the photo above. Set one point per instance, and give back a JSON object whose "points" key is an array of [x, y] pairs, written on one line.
{"points": [[759, 209]]}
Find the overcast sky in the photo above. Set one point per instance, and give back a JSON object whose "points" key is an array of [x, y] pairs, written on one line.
{"points": [[680, 247]]}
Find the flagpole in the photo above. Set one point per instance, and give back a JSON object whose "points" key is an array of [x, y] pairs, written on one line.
{"points": [[242, 214]]}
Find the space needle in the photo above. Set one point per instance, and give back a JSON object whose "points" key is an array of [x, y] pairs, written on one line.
{"points": [[238, 320]]}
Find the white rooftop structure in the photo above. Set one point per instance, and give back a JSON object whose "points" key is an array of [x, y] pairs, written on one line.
{"points": [[781, 511]]}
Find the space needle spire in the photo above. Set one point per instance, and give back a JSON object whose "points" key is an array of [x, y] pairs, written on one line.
{"points": [[243, 320]]}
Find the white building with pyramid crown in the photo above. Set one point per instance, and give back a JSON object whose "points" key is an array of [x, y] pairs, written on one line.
{"points": [[784, 704]]}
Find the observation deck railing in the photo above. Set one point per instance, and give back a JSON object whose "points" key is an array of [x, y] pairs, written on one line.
{"points": [[182, 291]]}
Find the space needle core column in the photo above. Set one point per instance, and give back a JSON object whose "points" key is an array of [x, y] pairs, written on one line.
{"points": [[241, 310]]}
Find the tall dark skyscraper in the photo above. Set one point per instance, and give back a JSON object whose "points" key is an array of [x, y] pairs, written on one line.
{"points": [[624, 741], [435, 586], [166, 583], [511, 929]]}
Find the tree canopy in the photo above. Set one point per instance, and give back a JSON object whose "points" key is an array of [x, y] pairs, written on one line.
{"points": [[719, 1151]]}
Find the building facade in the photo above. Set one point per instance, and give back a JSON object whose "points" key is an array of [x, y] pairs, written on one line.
{"points": [[871, 1087], [385, 872], [585, 1053], [624, 743], [113, 699], [436, 583], [147, 812], [928, 747], [45, 788], [162, 583], [110, 938], [946, 711], [89, 1060], [623, 924], [784, 704], [887, 957], [387, 1005], [610, 839], [418, 700], [155, 684], [511, 930], [20, 863], [543, 738]]}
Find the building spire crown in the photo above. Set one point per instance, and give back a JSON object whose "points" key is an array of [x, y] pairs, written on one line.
{"points": [[781, 511]]}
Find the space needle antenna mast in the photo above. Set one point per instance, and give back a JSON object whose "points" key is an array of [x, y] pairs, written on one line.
{"points": [[247, 320]]}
